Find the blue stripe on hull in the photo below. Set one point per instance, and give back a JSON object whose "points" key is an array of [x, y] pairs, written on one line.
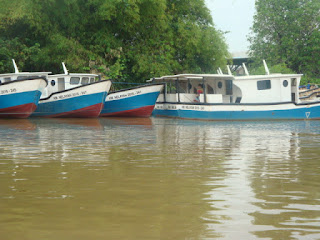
{"points": [[17, 99], [299, 113], [68, 105], [130, 103]]}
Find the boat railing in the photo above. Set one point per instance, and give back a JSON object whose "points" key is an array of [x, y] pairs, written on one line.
{"points": [[309, 92]]}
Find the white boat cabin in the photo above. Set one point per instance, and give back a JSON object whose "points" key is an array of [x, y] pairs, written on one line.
{"points": [[65, 81], [273, 88], [229, 89], [8, 77]]}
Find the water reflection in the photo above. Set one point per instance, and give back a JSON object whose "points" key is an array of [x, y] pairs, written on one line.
{"points": [[159, 178], [18, 124], [84, 122]]}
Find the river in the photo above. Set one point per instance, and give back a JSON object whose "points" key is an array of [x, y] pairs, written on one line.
{"points": [[157, 178]]}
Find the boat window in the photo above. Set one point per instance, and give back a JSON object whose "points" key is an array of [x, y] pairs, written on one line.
{"points": [[293, 82], [171, 87], [183, 87], [264, 84], [285, 83], [219, 84], [84, 80], [74, 80], [91, 80], [53, 82], [210, 89], [7, 79]]}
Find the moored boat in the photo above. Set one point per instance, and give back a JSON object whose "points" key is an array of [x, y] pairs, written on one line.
{"points": [[132, 102], [73, 95], [228, 97], [20, 93]]}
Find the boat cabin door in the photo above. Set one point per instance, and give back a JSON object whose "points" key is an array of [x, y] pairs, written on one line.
{"points": [[61, 84], [229, 87], [294, 90], [229, 90]]}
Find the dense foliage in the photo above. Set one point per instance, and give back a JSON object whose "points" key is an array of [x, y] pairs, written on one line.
{"points": [[286, 32], [131, 40]]}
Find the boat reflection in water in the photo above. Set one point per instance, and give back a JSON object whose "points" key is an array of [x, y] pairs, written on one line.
{"points": [[19, 124], [161, 179], [87, 123], [257, 180], [131, 121]]}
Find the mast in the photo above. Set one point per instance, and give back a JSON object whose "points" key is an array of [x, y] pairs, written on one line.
{"points": [[65, 69], [16, 70], [229, 71], [266, 67], [245, 69]]}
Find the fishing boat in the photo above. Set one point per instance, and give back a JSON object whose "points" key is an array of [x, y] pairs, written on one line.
{"points": [[132, 102], [228, 97], [72, 95], [20, 92]]}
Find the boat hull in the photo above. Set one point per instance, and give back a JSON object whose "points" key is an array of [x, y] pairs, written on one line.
{"points": [[85, 101], [134, 102], [19, 98], [284, 111]]}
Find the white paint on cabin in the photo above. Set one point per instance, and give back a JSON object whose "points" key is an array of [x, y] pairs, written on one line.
{"points": [[212, 98], [281, 88], [61, 82], [274, 88], [7, 77], [56, 83]]}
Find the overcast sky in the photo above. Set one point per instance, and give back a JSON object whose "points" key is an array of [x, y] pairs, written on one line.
{"points": [[236, 17]]}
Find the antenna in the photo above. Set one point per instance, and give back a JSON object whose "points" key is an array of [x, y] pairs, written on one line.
{"points": [[64, 68], [266, 67], [229, 71], [16, 70], [245, 69]]}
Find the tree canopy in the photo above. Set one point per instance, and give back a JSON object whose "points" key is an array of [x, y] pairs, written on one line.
{"points": [[287, 32], [131, 40]]}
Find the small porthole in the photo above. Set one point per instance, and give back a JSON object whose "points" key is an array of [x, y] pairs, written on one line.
{"points": [[219, 84], [285, 83], [53, 82]]}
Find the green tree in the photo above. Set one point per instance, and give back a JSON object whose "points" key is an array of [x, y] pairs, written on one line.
{"points": [[287, 32], [129, 40], [199, 47]]}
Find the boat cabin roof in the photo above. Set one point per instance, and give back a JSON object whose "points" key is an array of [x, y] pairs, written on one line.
{"points": [[269, 76], [74, 75], [195, 76], [24, 74], [224, 77]]}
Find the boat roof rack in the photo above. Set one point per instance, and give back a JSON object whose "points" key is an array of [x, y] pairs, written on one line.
{"points": [[195, 76]]}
